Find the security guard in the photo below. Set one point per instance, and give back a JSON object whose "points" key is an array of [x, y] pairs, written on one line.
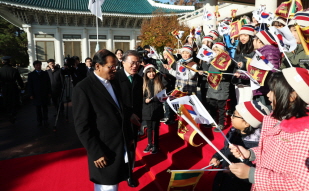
{"points": [[8, 78]]}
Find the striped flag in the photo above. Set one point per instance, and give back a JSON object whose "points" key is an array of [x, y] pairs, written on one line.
{"points": [[289, 8], [184, 180], [303, 33], [95, 7]]}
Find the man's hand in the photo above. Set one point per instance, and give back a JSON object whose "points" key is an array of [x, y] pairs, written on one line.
{"points": [[147, 100], [101, 162], [241, 170], [239, 151], [237, 74], [135, 120], [214, 162]]}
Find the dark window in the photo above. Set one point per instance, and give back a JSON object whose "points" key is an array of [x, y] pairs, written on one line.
{"points": [[95, 36], [122, 37], [72, 36], [44, 36]]}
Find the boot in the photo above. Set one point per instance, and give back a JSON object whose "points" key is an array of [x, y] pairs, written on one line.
{"points": [[148, 148], [154, 150]]}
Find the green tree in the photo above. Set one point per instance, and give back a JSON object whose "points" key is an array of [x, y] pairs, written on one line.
{"points": [[13, 42]]}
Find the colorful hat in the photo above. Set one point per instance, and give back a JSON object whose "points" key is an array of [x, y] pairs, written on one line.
{"points": [[298, 78], [292, 22], [169, 49], [219, 45], [214, 33], [247, 29], [148, 66], [187, 48], [252, 112], [267, 38], [208, 38], [280, 20], [302, 18]]}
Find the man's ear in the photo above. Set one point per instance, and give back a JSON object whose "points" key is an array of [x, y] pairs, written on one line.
{"points": [[293, 96]]}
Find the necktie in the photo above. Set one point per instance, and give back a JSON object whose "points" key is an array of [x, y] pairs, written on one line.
{"points": [[130, 78]]}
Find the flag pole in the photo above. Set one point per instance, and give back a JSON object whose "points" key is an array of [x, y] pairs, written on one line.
{"points": [[97, 7], [291, 8], [204, 137]]}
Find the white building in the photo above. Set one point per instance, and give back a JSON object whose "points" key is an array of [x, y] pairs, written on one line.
{"points": [[58, 28]]}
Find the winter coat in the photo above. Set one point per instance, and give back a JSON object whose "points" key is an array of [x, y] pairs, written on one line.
{"points": [[228, 181], [222, 92], [154, 109], [39, 87], [241, 58], [231, 47], [298, 58], [282, 158], [273, 55]]}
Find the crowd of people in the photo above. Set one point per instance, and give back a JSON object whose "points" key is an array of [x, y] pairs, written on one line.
{"points": [[114, 94]]}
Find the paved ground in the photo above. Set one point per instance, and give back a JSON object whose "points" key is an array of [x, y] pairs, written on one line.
{"points": [[24, 138]]}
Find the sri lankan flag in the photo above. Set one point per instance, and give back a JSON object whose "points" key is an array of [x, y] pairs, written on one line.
{"points": [[170, 58], [222, 61], [303, 33], [177, 93], [289, 8], [214, 80], [184, 180], [233, 13], [235, 28], [185, 131]]}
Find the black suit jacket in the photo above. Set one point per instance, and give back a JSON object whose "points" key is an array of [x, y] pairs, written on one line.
{"points": [[39, 87], [56, 81], [132, 93], [100, 126]]}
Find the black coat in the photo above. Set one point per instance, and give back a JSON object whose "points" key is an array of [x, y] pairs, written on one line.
{"points": [[132, 94], [154, 109], [79, 73], [8, 78], [39, 87], [101, 127], [56, 81]]}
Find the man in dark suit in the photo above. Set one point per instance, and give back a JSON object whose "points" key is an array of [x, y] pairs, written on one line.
{"points": [[79, 71], [88, 62], [56, 80], [8, 78], [132, 92], [100, 122], [39, 88]]}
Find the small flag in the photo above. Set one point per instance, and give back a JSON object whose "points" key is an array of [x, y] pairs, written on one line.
{"points": [[206, 53], [214, 80], [222, 61], [95, 7], [266, 17], [177, 34], [177, 93], [259, 61], [257, 74], [162, 96], [233, 13], [224, 29], [170, 58], [253, 83], [184, 180], [289, 8], [235, 28], [207, 16], [303, 33], [284, 38]]}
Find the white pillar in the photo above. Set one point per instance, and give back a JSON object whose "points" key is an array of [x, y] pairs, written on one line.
{"points": [[58, 47], [133, 40], [85, 45], [109, 45], [271, 5], [31, 47], [211, 7]]}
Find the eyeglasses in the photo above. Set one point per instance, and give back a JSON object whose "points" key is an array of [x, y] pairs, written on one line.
{"points": [[233, 116], [134, 63], [113, 67]]}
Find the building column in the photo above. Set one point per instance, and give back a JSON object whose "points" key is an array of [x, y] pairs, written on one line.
{"points": [[58, 47], [85, 45], [109, 44], [133, 40], [271, 6], [211, 7], [31, 47]]}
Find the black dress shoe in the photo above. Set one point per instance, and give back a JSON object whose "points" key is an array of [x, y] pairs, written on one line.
{"points": [[154, 150], [132, 183], [148, 148]]}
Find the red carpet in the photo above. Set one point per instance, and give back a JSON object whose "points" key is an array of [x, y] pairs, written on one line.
{"points": [[67, 170]]}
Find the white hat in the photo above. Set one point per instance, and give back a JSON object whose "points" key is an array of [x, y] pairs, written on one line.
{"points": [[208, 38], [298, 78], [252, 112], [148, 66], [187, 48], [219, 45], [247, 29]]}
